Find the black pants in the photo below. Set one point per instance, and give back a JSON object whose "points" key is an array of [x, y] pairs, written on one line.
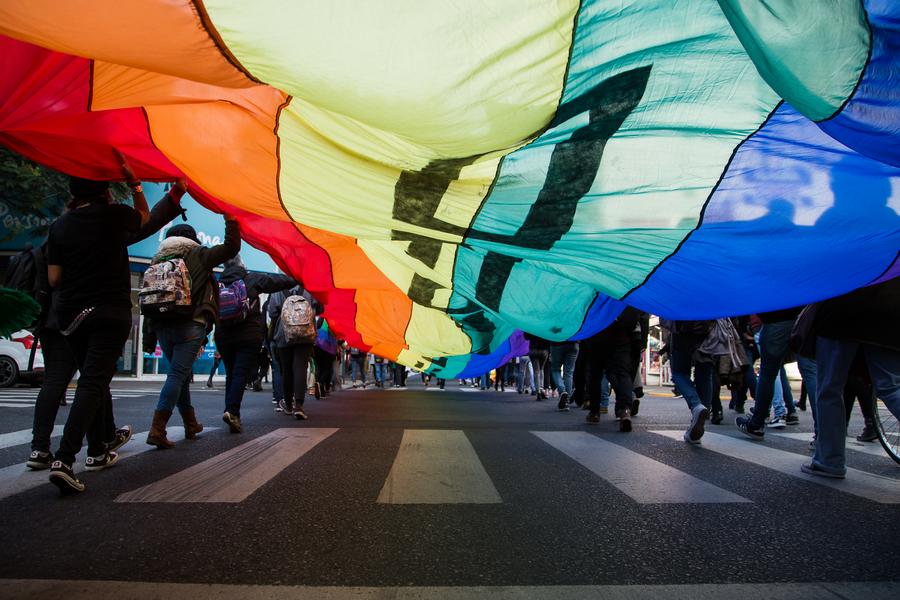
{"points": [[579, 380], [96, 345], [59, 368], [859, 388], [615, 360], [294, 365], [324, 369]]}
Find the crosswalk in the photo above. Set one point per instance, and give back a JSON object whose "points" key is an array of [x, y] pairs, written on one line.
{"points": [[443, 467], [26, 397]]}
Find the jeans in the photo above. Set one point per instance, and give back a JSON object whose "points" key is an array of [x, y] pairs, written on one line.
{"points": [[277, 386], [748, 381], [379, 373], [780, 391], [96, 344], [681, 358], [484, 381], [215, 367], [357, 370], [59, 368], [294, 366], [834, 358], [563, 357], [240, 359], [604, 392], [524, 375], [538, 358], [180, 343], [773, 348]]}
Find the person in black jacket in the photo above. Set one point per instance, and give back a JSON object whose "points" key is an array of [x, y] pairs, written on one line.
{"points": [[87, 265], [239, 340], [59, 360], [868, 321], [611, 354]]}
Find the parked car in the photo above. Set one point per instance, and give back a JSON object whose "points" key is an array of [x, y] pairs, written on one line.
{"points": [[15, 352]]}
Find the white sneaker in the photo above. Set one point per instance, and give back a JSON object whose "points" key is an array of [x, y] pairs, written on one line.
{"points": [[699, 415], [776, 423]]}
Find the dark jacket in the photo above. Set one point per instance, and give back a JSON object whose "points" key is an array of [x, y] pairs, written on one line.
{"points": [[276, 303], [870, 315], [537, 344], [163, 212], [252, 329]]}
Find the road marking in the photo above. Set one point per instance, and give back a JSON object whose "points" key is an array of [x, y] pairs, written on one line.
{"points": [[16, 438], [437, 467], [233, 475], [16, 479], [859, 483], [136, 590], [873, 448], [644, 480], [24, 405]]}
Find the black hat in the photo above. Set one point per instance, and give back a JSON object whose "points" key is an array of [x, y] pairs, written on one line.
{"points": [[182, 230], [86, 188]]}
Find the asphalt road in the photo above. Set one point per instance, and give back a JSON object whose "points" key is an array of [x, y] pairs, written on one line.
{"points": [[460, 493]]}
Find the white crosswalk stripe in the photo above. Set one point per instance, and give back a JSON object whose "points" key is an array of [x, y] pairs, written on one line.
{"points": [[859, 483], [233, 475], [17, 438], [26, 398], [873, 448], [643, 479], [19, 478], [437, 467]]}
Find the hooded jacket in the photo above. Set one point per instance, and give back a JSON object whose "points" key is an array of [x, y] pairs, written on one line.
{"points": [[276, 303], [200, 261], [252, 329]]}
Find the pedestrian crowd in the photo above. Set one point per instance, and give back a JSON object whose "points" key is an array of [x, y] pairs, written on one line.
{"points": [[846, 348]]}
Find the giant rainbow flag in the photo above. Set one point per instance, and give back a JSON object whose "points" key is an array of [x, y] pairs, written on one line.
{"points": [[442, 175]]}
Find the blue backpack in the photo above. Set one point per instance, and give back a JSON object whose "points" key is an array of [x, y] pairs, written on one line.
{"points": [[234, 305]]}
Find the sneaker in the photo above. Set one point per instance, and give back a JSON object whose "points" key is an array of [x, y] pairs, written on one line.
{"points": [[233, 422], [300, 415], [699, 415], [792, 419], [743, 425], [636, 405], [62, 476], [716, 418], [776, 423], [813, 469], [38, 460], [98, 463], [563, 405], [593, 417], [625, 421], [123, 435], [868, 434], [209, 384], [283, 407]]}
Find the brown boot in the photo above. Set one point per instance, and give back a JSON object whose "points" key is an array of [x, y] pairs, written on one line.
{"points": [[191, 426], [157, 436]]}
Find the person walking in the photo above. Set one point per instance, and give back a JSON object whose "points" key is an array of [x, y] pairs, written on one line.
{"points": [[87, 265], [182, 312], [241, 329], [294, 340], [538, 353], [687, 337], [562, 365], [611, 355]]}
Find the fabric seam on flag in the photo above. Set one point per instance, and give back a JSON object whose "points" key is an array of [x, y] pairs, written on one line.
{"points": [[213, 34], [706, 202], [888, 267], [278, 159], [862, 72], [90, 99]]}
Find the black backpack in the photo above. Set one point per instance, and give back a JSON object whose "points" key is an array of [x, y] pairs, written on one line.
{"points": [[22, 273]]}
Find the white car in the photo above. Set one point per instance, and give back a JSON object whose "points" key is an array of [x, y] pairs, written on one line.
{"points": [[15, 351]]}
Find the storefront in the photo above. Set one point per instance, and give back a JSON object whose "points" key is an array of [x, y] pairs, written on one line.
{"points": [[16, 231]]}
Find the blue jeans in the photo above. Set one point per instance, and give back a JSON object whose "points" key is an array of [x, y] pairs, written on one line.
{"points": [[379, 373], [835, 358], [563, 357], [277, 384], [241, 361], [780, 391], [681, 358], [524, 375], [357, 370], [604, 392], [773, 349], [180, 343]]}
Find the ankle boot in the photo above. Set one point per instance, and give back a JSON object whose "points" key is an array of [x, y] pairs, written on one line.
{"points": [[191, 426], [157, 436], [869, 433]]}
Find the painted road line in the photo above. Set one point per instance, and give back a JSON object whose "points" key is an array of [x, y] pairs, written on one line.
{"points": [[19, 478], [16, 438], [437, 467], [859, 483], [873, 448], [644, 480], [50, 589], [233, 475], [17, 405]]}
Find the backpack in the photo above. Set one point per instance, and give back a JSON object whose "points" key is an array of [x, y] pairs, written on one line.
{"points": [[298, 321], [166, 289], [22, 272], [234, 304]]}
